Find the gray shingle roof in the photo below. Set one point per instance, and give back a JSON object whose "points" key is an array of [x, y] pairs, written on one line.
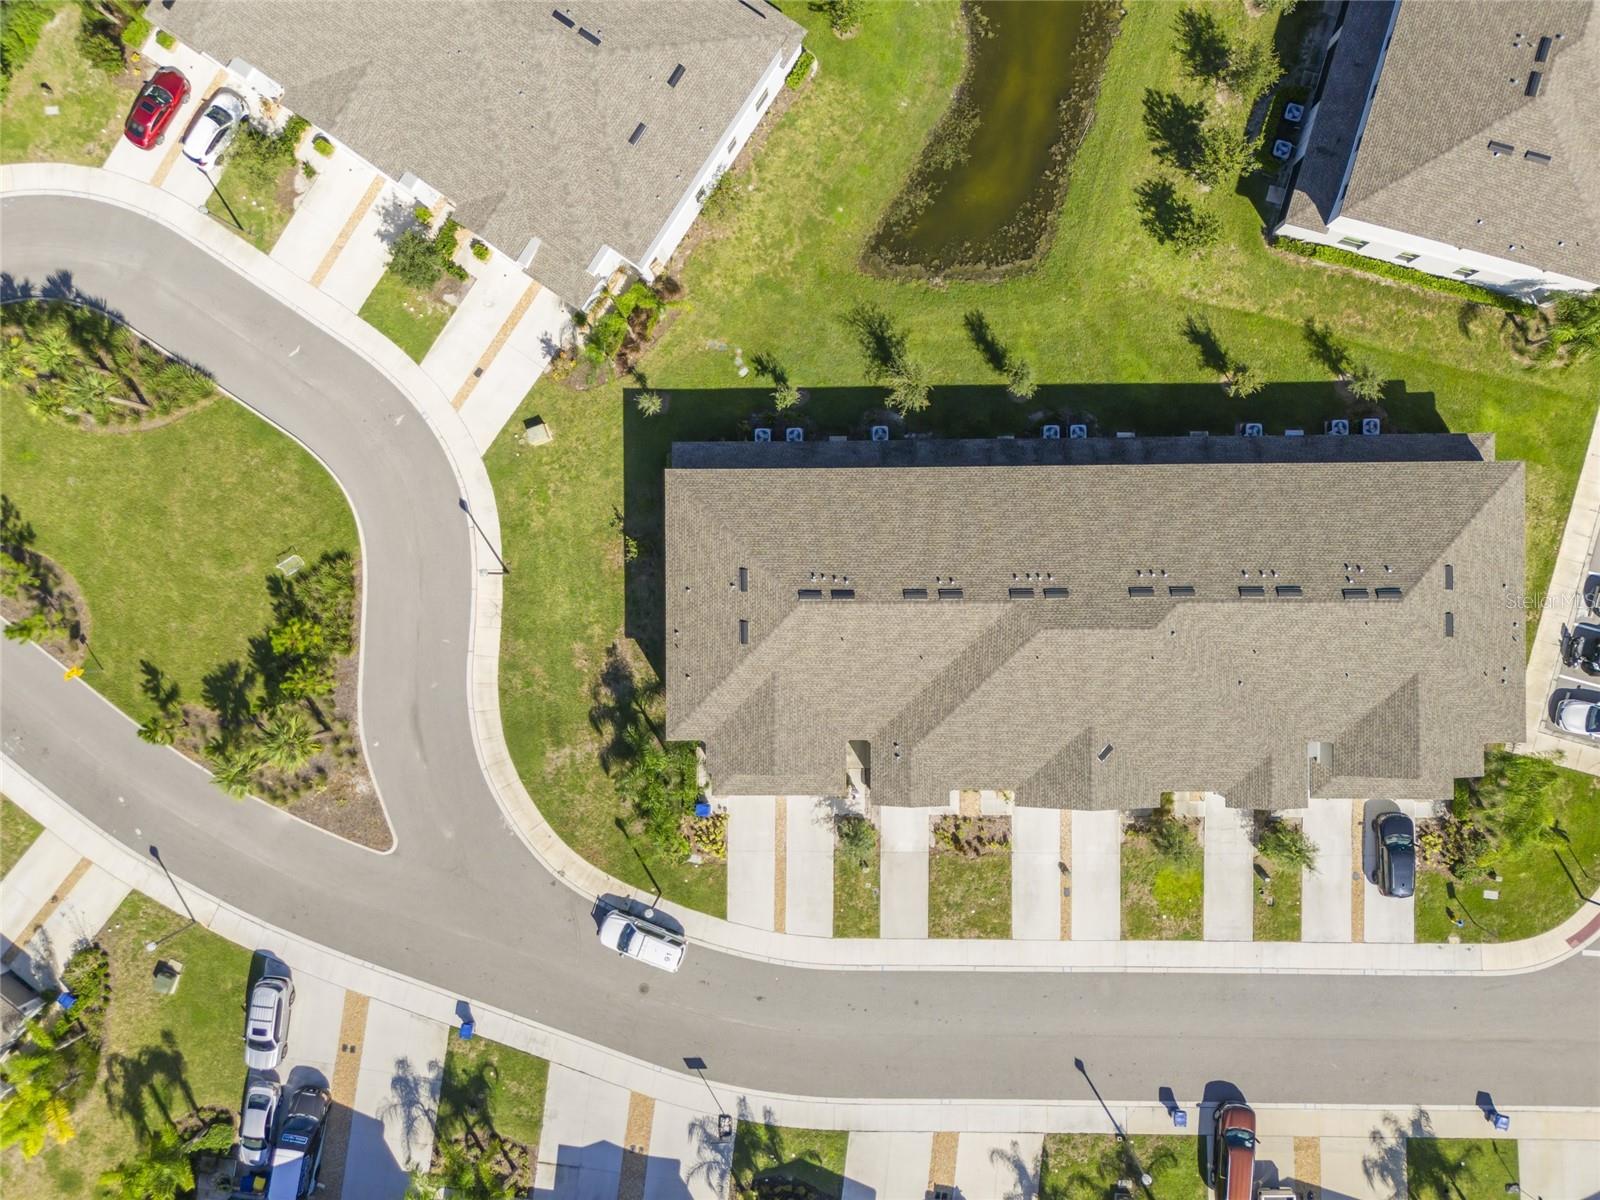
{"points": [[513, 115], [1455, 78], [1218, 691]]}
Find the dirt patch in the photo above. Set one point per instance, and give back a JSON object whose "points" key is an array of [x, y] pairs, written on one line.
{"points": [[972, 837]]}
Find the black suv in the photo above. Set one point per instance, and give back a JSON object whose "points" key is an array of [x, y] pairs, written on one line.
{"points": [[1397, 854], [298, 1152]]}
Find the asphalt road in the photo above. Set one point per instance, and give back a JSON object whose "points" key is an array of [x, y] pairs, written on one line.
{"points": [[460, 903]]}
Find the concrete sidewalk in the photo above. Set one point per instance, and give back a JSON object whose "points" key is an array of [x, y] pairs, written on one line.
{"points": [[1096, 876], [74, 920], [686, 1161], [808, 867], [1229, 872], [1036, 875], [1004, 1166], [752, 846], [903, 872], [33, 882]]}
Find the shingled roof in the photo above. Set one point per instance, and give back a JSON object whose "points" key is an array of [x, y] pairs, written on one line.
{"points": [[1462, 144], [516, 115], [1066, 661]]}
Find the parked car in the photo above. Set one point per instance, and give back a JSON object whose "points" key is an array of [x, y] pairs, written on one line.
{"points": [[1397, 854], [266, 1024], [638, 938], [154, 107], [1579, 716], [212, 131], [255, 1123], [1233, 1152], [298, 1153], [1580, 648]]}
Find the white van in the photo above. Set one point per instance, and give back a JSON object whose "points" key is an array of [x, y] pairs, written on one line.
{"points": [[638, 938]]}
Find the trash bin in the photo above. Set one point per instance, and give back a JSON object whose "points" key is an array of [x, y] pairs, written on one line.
{"points": [[468, 1028], [702, 808]]}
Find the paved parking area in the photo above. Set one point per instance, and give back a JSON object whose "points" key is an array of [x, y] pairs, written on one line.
{"points": [[686, 1161], [903, 872], [154, 165], [1036, 876], [884, 1166], [1387, 918], [1004, 1166], [1096, 876], [1325, 914], [808, 874], [1229, 907], [752, 844]]}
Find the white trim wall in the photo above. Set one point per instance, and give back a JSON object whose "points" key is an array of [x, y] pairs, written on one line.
{"points": [[1440, 258]]}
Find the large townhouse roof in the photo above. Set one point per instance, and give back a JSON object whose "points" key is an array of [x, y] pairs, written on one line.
{"points": [[1091, 624], [1483, 130], [579, 123]]}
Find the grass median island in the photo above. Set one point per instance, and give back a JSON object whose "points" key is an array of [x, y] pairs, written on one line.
{"points": [[17, 832], [1078, 1165], [1529, 830], [162, 1057], [1101, 321], [1163, 878], [969, 878], [856, 859], [766, 1157], [491, 1109], [1459, 1168], [90, 102]]}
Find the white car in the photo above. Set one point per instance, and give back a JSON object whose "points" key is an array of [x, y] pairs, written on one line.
{"points": [[637, 938], [214, 128], [266, 1024], [1579, 716], [255, 1124]]}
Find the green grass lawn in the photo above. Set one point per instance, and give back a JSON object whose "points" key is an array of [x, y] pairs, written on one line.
{"points": [[855, 897], [811, 1156], [1163, 897], [256, 199], [92, 103], [170, 532], [17, 831], [490, 1086], [410, 319], [1101, 321], [1540, 886], [1078, 1166], [1459, 1168], [162, 1053], [1280, 920], [969, 897]]}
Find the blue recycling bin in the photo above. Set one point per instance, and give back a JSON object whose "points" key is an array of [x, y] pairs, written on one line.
{"points": [[66, 1000], [468, 1028], [1502, 1122], [1180, 1119], [702, 808]]}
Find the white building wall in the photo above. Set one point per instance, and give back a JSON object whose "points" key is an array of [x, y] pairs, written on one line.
{"points": [[1440, 258]]}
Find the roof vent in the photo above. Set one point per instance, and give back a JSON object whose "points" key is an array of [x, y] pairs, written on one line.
{"points": [[1354, 593], [1105, 752], [1499, 148], [1387, 593], [1535, 78], [1141, 591], [677, 74], [1251, 591], [638, 132], [1542, 54], [744, 632], [564, 19], [1055, 593], [841, 593], [1182, 589], [913, 593], [1536, 156], [1289, 589], [1449, 624], [810, 593], [949, 593], [1020, 593]]}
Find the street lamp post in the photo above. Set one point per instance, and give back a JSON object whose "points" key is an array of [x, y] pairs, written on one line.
{"points": [[155, 853], [1122, 1138], [724, 1120], [504, 570]]}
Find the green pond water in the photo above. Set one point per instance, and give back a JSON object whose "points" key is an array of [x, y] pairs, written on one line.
{"points": [[983, 196]]}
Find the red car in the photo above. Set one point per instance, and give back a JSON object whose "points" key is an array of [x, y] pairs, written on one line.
{"points": [[157, 103]]}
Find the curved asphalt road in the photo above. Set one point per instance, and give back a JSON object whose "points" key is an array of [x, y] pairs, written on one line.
{"points": [[460, 902]]}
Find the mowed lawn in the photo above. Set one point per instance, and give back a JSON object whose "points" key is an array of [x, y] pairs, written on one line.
{"points": [[410, 319], [162, 1054], [1101, 320], [17, 832], [91, 103], [170, 532]]}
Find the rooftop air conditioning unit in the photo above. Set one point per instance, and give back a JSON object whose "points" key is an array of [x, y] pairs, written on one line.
{"points": [[1294, 113], [1282, 149], [1077, 431], [794, 434], [1252, 429], [880, 433], [1051, 433], [762, 435], [1339, 427], [1371, 426]]}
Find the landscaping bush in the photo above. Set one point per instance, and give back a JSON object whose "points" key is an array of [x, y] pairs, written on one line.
{"points": [[136, 33], [1506, 811], [322, 145], [801, 71], [97, 42], [605, 338], [480, 250], [21, 23], [1403, 274], [725, 199], [415, 261], [659, 783], [858, 840], [423, 214], [1172, 836], [844, 16], [165, 40], [648, 404], [1286, 844]]}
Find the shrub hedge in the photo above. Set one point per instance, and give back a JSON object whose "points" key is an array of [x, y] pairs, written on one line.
{"points": [[1434, 283]]}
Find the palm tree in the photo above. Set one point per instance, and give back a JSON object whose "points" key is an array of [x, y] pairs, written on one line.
{"points": [[165, 1167], [33, 628], [35, 1111], [289, 741], [1577, 326], [53, 351], [232, 770], [14, 362], [91, 391], [161, 728], [45, 398]]}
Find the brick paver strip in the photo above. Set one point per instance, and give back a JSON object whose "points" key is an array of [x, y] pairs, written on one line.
{"points": [[971, 803], [1358, 891], [1583, 935], [346, 1072], [500, 339], [942, 1162], [47, 910], [635, 1147], [780, 864], [1066, 875], [165, 168], [1308, 1162], [345, 234]]}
